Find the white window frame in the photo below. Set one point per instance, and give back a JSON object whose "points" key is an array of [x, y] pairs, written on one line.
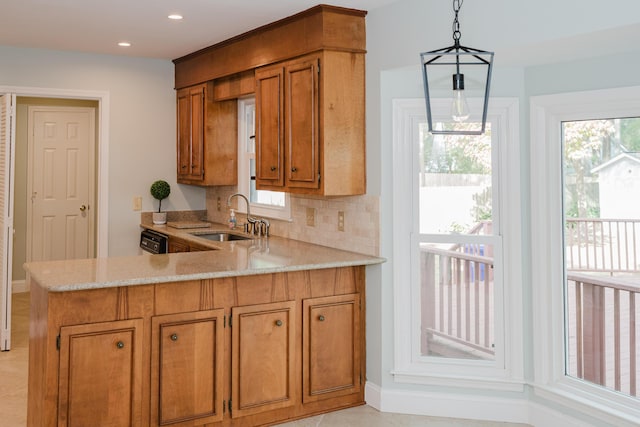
{"points": [[547, 275], [505, 372], [246, 129]]}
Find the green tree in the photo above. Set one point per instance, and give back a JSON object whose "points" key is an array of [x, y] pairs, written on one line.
{"points": [[460, 154], [583, 149], [630, 134]]}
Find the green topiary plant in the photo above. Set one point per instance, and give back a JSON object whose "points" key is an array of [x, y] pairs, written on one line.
{"points": [[160, 190]]}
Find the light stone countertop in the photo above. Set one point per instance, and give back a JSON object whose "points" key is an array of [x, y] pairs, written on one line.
{"points": [[234, 258]]}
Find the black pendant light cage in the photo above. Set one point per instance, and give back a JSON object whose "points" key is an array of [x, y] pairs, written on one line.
{"points": [[463, 75], [461, 68]]}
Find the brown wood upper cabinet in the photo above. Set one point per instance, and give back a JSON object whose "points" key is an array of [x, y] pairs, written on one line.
{"points": [[207, 137], [310, 135]]}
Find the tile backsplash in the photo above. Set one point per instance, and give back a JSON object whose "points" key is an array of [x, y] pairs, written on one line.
{"points": [[361, 220]]}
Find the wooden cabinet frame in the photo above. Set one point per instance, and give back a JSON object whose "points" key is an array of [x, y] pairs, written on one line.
{"points": [[310, 101], [256, 321]]}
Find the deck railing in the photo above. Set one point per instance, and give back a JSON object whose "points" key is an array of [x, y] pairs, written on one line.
{"points": [[603, 308], [602, 316], [457, 294], [596, 244]]}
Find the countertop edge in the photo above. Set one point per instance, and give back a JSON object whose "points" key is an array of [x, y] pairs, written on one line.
{"points": [[203, 276], [228, 259]]}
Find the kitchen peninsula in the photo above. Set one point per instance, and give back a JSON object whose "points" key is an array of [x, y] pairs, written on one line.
{"points": [[252, 332]]}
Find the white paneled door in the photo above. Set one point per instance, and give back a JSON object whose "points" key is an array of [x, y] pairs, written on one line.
{"points": [[7, 154], [61, 182]]}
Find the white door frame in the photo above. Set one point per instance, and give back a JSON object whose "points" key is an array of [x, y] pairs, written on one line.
{"points": [[102, 175], [6, 234]]}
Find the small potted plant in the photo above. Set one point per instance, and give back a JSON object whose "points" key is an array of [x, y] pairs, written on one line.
{"points": [[160, 190]]}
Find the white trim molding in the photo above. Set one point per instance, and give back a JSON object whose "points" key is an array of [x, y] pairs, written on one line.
{"points": [[512, 409], [102, 216], [449, 405]]}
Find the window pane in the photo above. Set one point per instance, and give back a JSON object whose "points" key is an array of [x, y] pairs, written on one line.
{"points": [[265, 203], [456, 288], [601, 168], [455, 183], [457, 301]]}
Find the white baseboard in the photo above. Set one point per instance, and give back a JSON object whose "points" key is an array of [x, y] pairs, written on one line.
{"points": [[19, 286], [467, 406]]}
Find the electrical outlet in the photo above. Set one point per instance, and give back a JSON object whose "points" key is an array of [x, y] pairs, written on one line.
{"points": [[311, 217], [340, 220], [218, 204], [137, 203]]}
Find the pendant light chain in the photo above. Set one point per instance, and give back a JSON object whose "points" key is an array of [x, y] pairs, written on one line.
{"points": [[457, 4]]}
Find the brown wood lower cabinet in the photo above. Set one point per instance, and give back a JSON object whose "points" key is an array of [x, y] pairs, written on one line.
{"points": [[331, 347], [228, 352], [179, 245], [101, 374], [187, 369], [262, 366]]}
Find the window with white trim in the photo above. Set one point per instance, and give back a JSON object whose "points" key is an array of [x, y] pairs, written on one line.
{"points": [[268, 204], [585, 289], [456, 198]]}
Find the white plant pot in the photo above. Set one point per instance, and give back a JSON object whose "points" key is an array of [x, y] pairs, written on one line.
{"points": [[159, 217]]}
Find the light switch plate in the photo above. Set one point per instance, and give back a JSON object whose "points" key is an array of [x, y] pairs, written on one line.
{"points": [[137, 203]]}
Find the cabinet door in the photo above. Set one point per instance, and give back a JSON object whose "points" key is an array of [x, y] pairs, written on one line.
{"points": [[262, 367], [331, 347], [269, 127], [176, 245], [191, 113], [302, 125], [100, 374], [186, 368]]}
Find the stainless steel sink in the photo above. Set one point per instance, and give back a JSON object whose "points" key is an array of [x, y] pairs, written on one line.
{"points": [[221, 236]]}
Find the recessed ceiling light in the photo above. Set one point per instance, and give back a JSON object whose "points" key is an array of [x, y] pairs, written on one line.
{"points": [[124, 44], [175, 17]]}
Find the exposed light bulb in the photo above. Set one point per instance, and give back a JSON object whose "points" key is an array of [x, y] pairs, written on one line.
{"points": [[459, 106]]}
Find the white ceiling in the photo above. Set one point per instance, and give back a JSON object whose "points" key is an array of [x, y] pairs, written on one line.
{"points": [[97, 26]]}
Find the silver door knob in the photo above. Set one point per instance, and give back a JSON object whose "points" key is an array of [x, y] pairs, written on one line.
{"points": [[83, 208]]}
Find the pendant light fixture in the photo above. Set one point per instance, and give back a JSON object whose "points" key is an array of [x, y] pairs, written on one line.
{"points": [[463, 75]]}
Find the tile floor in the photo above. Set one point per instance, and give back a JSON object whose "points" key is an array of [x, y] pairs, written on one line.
{"points": [[13, 391]]}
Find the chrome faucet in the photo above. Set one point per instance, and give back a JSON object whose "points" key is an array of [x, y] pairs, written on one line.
{"points": [[250, 220], [259, 226]]}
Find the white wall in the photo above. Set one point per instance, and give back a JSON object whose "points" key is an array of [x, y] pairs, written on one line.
{"points": [[142, 126], [540, 47]]}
